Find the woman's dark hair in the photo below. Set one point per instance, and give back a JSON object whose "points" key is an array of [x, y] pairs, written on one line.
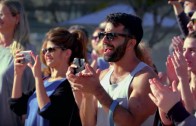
{"points": [[61, 37]]}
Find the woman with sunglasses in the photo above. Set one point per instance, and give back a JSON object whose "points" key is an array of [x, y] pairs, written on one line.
{"points": [[52, 103], [14, 35]]}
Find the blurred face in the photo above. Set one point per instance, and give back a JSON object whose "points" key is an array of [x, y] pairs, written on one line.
{"points": [[192, 24], [95, 39], [114, 44], [189, 7], [53, 55], [7, 21], [189, 52]]}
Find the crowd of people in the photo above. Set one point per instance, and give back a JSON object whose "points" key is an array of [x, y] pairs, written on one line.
{"points": [[118, 85]]}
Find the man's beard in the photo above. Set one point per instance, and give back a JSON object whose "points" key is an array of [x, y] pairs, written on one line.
{"points": [[118, 53]]}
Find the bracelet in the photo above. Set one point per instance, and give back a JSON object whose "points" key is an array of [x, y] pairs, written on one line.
{"points": [[111, 111]]}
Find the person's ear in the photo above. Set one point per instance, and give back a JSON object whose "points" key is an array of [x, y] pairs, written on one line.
{"points": [[68, 53], [17, 19], [131, 42]]}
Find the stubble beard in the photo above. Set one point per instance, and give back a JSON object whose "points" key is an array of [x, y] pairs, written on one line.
{"points": [[117, 54]]}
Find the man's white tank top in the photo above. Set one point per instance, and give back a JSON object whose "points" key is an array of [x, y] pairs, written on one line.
{"points": [[117, 92]]}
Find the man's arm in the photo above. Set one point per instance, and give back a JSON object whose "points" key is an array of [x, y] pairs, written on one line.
{"points": [[139, 100], [88, 110], [140, 105], [88, 106]]}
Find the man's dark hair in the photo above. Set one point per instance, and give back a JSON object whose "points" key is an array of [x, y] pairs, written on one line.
{"points": [[132, 24]]}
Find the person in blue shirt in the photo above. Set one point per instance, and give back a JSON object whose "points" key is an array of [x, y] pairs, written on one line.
{"points": [[52, 102]]}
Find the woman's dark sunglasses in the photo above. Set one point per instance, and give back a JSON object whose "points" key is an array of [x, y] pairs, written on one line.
{"points": [[51, 49], [111, 36]]}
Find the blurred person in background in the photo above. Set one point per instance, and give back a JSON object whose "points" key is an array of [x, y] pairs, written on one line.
{"points": [[97, 51], [183, 73], [14, 35], [52, 101], [178, 41], [183, 14], [192, 23]]}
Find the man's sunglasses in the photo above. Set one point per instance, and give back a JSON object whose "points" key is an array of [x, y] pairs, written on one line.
{"points": [[51, 49], [111, 36], [193, 20]]}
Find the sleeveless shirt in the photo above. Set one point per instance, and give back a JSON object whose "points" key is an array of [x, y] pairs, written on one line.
{"points": [[117, 92]]}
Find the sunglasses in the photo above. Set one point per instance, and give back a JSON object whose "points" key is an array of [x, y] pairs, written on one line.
{"points": [[111, 36], [51, 49], [94, 37], [193, 20]]}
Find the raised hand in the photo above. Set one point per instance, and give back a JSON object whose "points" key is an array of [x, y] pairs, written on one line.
{"points": [[36, 67], [170, 70], [163, 96], [86, 81], [177, 42], [19, 66], [180, 64]]}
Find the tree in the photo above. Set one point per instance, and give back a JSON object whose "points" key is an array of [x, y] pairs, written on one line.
{"points": [[54, 11], [160, 10]]}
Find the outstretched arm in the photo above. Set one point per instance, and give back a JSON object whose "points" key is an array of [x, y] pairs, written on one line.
{"points": [[182, 18], [177, 6]]}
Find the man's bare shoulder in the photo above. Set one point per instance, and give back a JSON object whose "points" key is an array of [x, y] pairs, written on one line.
{"points": [[138, 94], [146, 72], [141, 79]]}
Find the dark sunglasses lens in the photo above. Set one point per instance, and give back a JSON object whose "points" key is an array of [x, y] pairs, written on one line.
{"points": [[95, 38], [51, 49], [110, 36], [44, 51], [101, 35]]}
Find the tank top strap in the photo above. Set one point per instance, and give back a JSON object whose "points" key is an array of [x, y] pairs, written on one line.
{"points": [[139, 67]]}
